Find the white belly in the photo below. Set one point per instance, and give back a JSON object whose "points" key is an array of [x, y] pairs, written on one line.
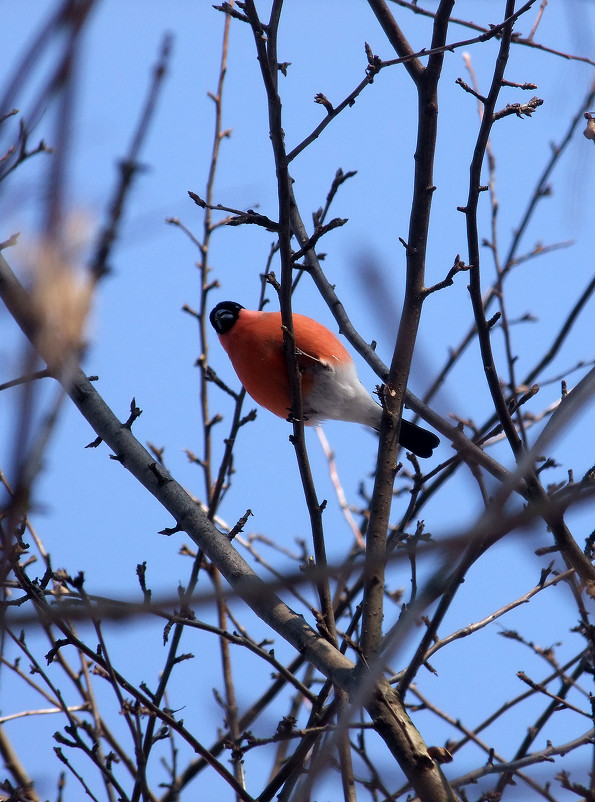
{"points": [[338, 394]]}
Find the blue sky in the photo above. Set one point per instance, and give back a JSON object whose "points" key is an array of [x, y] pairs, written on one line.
{"points": [[91, 514]]}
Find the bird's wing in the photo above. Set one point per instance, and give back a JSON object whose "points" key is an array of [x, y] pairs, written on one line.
{"points": [[307, 362], [310, 367]]}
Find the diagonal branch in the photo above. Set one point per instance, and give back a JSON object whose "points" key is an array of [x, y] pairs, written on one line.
{"points": [[388, 713]]}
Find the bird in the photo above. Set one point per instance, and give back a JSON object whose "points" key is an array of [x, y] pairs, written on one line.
{"points": [[331, 389]]}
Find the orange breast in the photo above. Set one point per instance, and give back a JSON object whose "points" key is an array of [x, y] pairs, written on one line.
{"points": [[255, 346]]}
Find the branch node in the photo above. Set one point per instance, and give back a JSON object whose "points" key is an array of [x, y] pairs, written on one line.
{"points": [[406, 245], [457, 267], [589, 131], [239, 525], [169, 531], [135, 413], [324, 101]]}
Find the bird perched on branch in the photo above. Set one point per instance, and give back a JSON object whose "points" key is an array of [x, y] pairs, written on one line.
{"points": [[331, 389]]}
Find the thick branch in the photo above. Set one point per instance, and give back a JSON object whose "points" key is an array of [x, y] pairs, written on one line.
{"points": [[397, 38], [427, 87], [189, 517], [384, 705]]}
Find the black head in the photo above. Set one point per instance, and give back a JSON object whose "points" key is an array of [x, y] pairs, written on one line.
{"points": [[224, 315]]}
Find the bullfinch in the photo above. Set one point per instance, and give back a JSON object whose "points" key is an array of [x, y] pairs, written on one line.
{"points": [[331, 389]]}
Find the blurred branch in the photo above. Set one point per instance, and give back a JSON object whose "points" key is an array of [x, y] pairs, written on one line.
{"points": [[69, 18], [16, 770], [38, 374], [562, 334], [446, 550], [513, 766], [8, 164], [130, 166]]}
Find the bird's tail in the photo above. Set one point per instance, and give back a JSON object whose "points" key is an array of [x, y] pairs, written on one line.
{"points": [[414, 438]]}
